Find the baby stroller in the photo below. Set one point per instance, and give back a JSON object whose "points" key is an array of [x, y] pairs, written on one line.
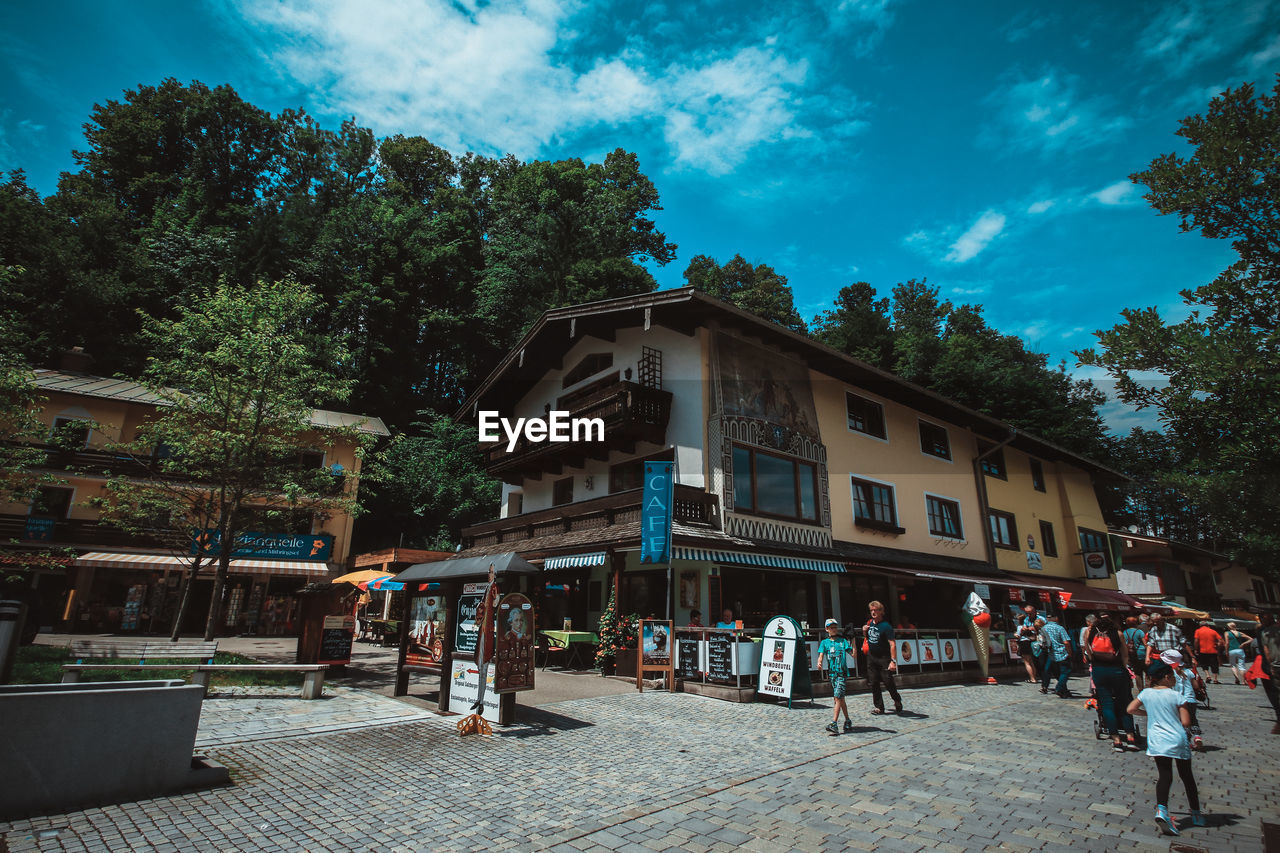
{"points": [[1134, 737], [1202, 692]]}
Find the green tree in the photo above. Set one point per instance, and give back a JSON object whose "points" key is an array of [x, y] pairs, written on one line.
{"points": [[20, 401], [858, 325], [1218, 392], [237, 376], [758, 289]]}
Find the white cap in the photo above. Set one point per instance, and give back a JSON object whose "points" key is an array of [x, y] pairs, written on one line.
{"points": [[1172, 657], [831, 622]]}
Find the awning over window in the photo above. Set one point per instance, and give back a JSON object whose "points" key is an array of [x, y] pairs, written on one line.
{"points": [[930, 574], [769, 561], [276, 568], [575, 561], [1084, 597]]}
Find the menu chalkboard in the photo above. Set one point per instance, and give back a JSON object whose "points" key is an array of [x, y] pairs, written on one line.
{"points": [[687, 650], [720, 657], [335, 640]]}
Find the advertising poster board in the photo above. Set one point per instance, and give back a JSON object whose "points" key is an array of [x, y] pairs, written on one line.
{"points": [[688, 654], [1012, 646], [464, 687], [930, 653], [784, 668], [513, 648], [655, 650], [426, 631], [336, 635], [908, 653], [953, 650], [467, 635]]}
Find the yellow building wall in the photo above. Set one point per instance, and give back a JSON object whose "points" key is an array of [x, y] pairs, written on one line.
{"points": [[897, 461]]}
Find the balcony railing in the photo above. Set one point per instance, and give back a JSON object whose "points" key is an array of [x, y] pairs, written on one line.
{"points": [[94, 463], [689, 506], [630, 413], [23, 529]]}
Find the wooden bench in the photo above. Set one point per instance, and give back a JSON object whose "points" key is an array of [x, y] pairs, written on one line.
{"points": [[312, 679], [194, 655]]}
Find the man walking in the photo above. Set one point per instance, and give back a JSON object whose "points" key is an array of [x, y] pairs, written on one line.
{"points": [[1058, 657], [1163, 637], [882, 657], [831, 652]]}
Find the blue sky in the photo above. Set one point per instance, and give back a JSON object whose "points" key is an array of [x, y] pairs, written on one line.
{"points": [[983, 146]]}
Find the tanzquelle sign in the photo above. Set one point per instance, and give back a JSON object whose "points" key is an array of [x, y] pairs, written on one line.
{"points": [[268, 546]]}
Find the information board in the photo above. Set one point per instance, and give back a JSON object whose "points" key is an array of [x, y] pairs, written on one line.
{"points": [[467, 635], [464, 687], [784, 660], [426, 631], [720, 657], [513, 648], [687, 663], [336, 635]]}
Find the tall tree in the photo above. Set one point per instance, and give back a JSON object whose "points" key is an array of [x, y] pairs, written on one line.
{"points": [[237, 375], [858, 325], [1219, 398], [758, 289]]}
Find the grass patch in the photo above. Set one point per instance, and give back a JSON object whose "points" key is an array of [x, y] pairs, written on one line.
{"points": [[43, 665]]}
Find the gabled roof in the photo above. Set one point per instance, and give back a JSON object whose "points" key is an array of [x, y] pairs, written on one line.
{"points": [[125, 390], [686, 310]]}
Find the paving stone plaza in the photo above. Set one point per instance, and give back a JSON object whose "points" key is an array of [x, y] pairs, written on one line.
{"points": [[967, 768]]}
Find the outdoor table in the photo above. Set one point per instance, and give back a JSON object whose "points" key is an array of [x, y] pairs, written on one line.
{"points": [[576, 642], [385, 629]]}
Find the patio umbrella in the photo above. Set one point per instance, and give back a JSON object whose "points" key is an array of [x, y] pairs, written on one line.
{"points": [[383, 582], [361, 577]]}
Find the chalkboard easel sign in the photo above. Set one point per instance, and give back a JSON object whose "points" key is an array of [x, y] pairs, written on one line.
{"points": [[688, 666], [720, 657], [335, 640]]}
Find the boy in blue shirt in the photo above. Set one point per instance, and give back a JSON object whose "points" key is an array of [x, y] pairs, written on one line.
{"points": [[831, 652]]}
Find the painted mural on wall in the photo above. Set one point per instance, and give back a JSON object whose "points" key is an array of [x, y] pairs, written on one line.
{"points": [[760, 384]]}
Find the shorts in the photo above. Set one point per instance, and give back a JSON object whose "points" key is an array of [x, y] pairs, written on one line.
{"points": [[1208, 660], [837, 685], [1237, 658]]}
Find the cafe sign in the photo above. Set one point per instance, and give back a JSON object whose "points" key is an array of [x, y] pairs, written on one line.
{"points": [[268, 546]]}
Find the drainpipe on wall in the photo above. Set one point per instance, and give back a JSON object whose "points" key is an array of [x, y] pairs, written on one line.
{"points": [[982, 494]]}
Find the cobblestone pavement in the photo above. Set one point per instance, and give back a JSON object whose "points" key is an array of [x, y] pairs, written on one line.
{"points": [[969, 768]]}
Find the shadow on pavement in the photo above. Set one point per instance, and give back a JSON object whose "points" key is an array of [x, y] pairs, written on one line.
{"points": [[539, 722]]}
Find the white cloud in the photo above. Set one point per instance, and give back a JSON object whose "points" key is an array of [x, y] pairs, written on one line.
{"points": [[977, 238], [504, 77], [1048, 114], [1269, 54], [1038, 207], [1120, 193], [1185, 34]]}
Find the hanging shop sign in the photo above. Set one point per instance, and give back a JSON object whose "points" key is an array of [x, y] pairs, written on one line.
{"points": [[426, 631], [784, 660], [655, 513], [1095, 564], [513, 648]]}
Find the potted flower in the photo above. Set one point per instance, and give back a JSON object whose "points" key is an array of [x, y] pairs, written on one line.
{"points": [[619, 635]]}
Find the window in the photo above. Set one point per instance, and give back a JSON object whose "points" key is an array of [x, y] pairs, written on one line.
{"points": [[1004, 529], [1092, 540], [993, 465], [630, 474], [933, 440], [1047, 540], [873, 505], [865, 416], [52, 502], [767, 484], [515, 503], [309, 460], [562, 492], [944, 517], [70, 433], [1037, 475]]}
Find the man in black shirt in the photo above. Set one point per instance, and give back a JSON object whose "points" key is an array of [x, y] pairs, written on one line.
{"points": [[882, 655]]}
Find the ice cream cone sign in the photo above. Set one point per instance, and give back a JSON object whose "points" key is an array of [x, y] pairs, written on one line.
{"points": [[982, 619], [979, 630]]}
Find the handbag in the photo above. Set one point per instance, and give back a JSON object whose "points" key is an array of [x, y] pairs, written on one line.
{"points": [[866, 645]]}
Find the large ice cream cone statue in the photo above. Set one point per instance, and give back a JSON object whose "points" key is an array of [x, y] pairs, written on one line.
{"points": [[981, 644]]}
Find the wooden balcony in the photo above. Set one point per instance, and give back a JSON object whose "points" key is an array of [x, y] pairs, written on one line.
{"points": [[83, 533], [94, 463], [631, 413], [689, 506]]}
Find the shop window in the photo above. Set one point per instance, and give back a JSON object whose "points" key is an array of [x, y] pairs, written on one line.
{"points": [[768, 484], [874, 505], [1004, 529], [562, 492], [865, 416], [933, 441], [1048, 541], [1037, 475], [944, 517], [592, 363], [993, 465]]}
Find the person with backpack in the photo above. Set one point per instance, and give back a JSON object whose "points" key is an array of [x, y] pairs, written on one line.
{"points": [[1109, 658], [1167, 722], [1135, 641]]}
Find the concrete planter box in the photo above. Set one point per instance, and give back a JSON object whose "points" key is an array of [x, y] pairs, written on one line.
{"points": [[67, 746]]}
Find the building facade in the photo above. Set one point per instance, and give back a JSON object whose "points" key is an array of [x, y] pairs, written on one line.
{"points": [[91, 576], [807, 483]]}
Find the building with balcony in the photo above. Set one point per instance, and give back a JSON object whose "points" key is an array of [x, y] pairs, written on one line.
{"points": [[92, 576], [807, 482]]}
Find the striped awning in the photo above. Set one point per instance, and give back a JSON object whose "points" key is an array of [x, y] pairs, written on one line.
{"points": [[278, 568], [747, 558], [575, 561]]}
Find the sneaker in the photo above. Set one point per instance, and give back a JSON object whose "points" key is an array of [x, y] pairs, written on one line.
{"points": [[1197, 743], [833, 728], [1197, 819], [1117, 747], [848, 726], [1164, 822]]}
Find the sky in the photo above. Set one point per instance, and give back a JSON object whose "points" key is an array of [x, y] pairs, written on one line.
{"points": [[985, 147]]}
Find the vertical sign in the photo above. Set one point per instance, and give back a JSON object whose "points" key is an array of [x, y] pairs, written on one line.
{"points": [[655, 513], [784, 667], [655, 650], [513, 648]]}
